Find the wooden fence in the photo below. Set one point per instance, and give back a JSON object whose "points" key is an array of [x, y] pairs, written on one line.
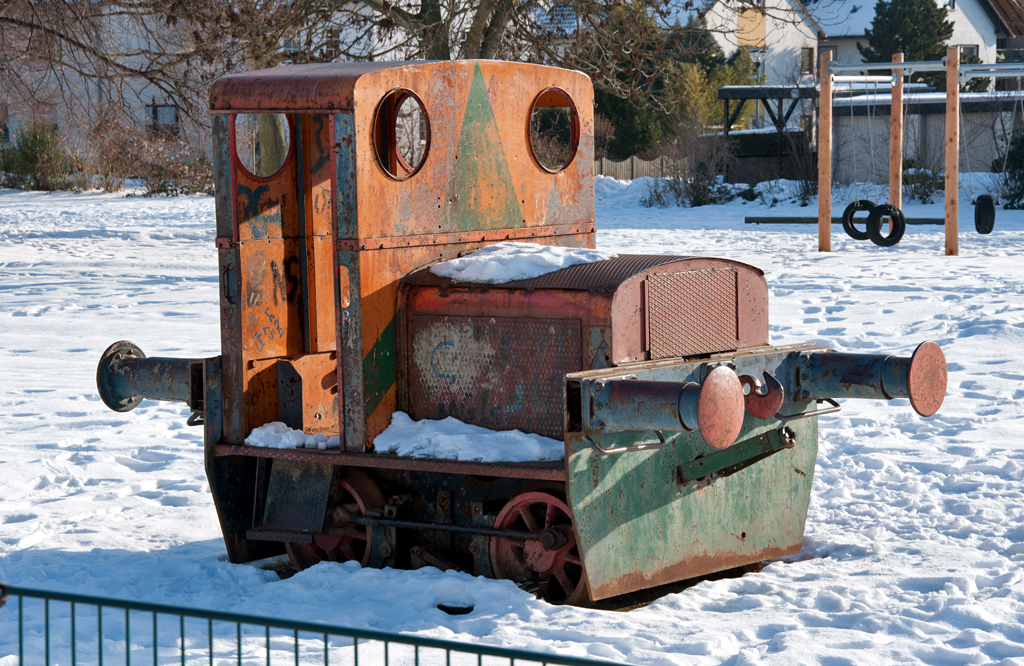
{"points": [[632, 168]]}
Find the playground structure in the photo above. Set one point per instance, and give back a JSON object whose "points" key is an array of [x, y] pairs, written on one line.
{"points": [[956, 74]]}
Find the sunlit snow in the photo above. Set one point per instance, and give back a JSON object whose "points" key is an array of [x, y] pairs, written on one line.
{"points": [[914, 547]]}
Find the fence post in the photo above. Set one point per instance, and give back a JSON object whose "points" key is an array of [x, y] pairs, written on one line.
{"points": [[632, 167]]}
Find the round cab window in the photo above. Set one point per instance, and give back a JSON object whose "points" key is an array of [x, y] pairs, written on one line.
{"points": [[262, 142], [554, 130], [401, 134]]}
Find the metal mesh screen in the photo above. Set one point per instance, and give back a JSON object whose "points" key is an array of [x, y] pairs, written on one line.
{"points": [[692, 313]]}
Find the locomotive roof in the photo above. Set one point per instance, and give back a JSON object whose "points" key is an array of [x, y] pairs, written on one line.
{"points": [[604, 275], [325, 86]]}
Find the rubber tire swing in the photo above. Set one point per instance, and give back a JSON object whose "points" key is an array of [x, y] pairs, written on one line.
{"points": [[856, 206], [897, 225], [984, 213]]}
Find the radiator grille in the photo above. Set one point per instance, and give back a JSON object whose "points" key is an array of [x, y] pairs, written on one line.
{"points": [[495, 372], [692, 313]]}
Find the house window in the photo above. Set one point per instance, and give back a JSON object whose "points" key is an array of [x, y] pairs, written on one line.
{"points": [[807, 60], [5, 127], [164, 120], [332, 47], [968, 50]]}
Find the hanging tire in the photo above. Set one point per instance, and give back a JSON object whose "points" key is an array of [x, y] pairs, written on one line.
{"points": [[897, 227], [852, 231], [984, 213]]}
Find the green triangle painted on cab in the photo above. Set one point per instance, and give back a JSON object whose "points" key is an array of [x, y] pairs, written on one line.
{"points": [[481, 194]]}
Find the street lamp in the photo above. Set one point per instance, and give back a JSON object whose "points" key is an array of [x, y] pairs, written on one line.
{"points": [[757, 55]]}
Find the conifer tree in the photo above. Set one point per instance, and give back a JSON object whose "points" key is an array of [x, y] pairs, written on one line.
{"points": [[918, 28]]}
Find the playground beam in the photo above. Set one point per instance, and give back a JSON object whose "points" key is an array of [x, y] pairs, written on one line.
{"points": [[952, 176], [825, 156]]}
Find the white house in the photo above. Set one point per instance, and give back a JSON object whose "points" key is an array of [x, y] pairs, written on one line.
{"points": [[782, 37], [787, 36], [979, 28]]}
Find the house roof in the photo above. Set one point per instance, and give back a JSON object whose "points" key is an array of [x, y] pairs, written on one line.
{"points": [[850, 18], [1011, 13]]}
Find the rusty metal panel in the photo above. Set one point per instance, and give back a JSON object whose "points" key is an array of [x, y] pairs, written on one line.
{"points": [[271, 293], [266, 208], [314, 87], [479, 173], [380, 272], [386, 228], [630, 313], [222, 166], [692, 312], [321, 300], [298, 494], [597, 351], [315, 184], [260, 399], [308, 391], [499, 373]]}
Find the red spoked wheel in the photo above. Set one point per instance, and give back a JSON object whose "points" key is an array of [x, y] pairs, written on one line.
{"points": [[357, 493], [553, 562]]}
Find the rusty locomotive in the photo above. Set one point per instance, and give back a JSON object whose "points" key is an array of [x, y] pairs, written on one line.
{"points": [[690, 441]]}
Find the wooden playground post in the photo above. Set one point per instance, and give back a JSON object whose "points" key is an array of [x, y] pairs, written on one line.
{"points": [[896, 139], [825, 157], [952, 179]]}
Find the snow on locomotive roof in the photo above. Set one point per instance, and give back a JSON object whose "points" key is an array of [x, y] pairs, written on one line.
{"points": [[510, 261]]}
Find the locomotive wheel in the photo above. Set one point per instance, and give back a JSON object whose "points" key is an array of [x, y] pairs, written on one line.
{"points": [[356, 492], [558, 570]]}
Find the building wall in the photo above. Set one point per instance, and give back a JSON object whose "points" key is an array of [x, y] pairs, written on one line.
{"points": [[860, 149], [780, 38], [972, 26]]}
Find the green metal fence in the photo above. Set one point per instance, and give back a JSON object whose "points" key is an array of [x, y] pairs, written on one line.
{"points": [[62, 629]]}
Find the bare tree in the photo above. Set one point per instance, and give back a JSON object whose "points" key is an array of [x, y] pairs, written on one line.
{"points": [[51, 51]]}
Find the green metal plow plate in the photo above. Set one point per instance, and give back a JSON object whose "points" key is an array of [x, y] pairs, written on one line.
{"points": [[637, 527]]}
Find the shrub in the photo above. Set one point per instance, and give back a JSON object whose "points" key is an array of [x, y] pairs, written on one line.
{"points": [[695, 172], [920, 184], [37, 160]]}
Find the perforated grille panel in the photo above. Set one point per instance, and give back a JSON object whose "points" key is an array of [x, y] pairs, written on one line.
{"points": [[692, 313], [499, 373]]}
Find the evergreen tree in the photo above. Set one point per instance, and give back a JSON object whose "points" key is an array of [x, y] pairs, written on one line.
{"points": [[918, 28]]}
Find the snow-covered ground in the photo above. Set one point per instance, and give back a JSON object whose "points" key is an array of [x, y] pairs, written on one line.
{"points": [[914, 548]]}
